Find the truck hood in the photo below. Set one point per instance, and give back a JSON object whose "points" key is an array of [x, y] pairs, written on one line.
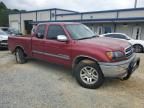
{"points": [[105, 43], [3, 37]]}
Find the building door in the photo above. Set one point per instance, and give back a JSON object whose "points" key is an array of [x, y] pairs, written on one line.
{"points": [[28, 26], [136, 32], [99, 30]]}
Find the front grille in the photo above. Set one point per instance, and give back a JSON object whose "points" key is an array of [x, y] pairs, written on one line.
{"points": [[129, 51], [4, 41]]}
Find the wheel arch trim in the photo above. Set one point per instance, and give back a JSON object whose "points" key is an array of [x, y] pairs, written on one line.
{"points": [[140, 45], [85, 56], [19, 46]]}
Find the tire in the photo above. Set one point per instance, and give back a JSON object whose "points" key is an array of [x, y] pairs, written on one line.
{"points": [[138, 48], [20, 56], [89, 75]]}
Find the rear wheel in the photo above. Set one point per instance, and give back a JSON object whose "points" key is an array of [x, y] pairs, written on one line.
{"points": [[89, 75], [138, 48], [20, 56]]}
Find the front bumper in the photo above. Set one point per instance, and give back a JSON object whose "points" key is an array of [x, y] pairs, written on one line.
{"points": [[122, 69], [3, 44]]}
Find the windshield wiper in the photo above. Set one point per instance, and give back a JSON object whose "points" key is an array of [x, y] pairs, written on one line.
{"points": [[85, 38]]}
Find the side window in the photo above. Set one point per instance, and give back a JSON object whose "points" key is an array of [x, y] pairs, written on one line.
{"points": [[119, 36], [40, 31], [54, 31], [109, 36]]}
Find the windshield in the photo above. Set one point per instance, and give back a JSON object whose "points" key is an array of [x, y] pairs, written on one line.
{"points": [[128, 38], [119, 36], [79, 31], [2, 32]]}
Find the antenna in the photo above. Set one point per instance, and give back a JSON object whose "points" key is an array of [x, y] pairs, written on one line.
{"points": [[135, 5]]}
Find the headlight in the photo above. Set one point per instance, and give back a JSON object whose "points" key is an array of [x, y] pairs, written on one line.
{"points": [[117, 55]]}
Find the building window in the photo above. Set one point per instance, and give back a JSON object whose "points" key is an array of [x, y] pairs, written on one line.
{"points": [[107, 29], [91, 17], [52, 15]]}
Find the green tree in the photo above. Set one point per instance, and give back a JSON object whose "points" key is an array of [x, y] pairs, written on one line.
{"points": [[3, 15], [2, 6], [4, 12]]}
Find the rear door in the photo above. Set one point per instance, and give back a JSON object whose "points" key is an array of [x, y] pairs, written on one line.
{"points": [[56, 51], [38, 45]]}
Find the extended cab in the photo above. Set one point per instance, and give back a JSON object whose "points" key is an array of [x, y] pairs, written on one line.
{"points": [[74, 45]]}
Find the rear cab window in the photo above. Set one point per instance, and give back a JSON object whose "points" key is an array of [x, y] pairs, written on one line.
{"points": [[41, 30]]}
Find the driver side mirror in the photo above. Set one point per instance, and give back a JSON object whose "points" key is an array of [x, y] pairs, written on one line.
{"points": [[39, 35], [62, 38]]}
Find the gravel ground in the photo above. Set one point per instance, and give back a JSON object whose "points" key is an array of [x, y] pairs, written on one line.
{"points": [[38, 84]]}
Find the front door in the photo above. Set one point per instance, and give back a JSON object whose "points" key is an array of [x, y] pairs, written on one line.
{"points": [[56, 51], [136, 32]]}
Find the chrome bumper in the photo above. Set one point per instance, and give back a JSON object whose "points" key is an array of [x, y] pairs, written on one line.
{"points": [[3, 43], [120, 69]]}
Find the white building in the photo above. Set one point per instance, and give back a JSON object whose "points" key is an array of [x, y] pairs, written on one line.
{"points": [[129, 21]]}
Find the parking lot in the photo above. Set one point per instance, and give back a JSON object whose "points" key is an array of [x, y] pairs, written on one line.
{"points": [[39, 84]]}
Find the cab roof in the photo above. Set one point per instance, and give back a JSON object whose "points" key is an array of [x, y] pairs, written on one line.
{"points": [[60, 23]]}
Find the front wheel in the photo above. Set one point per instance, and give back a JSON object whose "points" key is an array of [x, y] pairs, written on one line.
{"points": [[20, 57], [89, 75], [138, 48]]}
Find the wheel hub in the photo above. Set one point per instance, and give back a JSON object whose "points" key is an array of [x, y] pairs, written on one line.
{"points": [[89, 75]]}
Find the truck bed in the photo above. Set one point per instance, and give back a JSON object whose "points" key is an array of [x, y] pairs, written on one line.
{"points": [[22, 41]]}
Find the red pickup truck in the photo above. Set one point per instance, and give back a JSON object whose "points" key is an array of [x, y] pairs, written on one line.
{"points": [[74, 45]]}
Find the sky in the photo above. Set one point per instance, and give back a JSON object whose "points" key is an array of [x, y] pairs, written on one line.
{"points": [[76, 5]]}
